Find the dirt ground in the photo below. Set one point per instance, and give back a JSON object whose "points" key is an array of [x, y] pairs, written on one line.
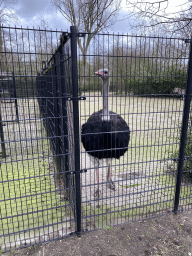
{"points": [[169, 234]]}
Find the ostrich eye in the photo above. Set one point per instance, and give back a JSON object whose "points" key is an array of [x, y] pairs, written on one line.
{"points": [[105, 72]]}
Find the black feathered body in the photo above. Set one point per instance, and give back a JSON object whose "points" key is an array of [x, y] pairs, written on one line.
{"points": [[105, 139]]}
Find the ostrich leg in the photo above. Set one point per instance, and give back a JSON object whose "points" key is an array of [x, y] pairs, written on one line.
{"points": [[98, 191], [111, 184]]}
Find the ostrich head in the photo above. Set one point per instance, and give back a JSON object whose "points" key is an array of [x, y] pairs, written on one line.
{"points": [[104, 75]]}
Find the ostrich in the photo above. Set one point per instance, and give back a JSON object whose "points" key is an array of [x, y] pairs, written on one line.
{"points": [[105, 135]]}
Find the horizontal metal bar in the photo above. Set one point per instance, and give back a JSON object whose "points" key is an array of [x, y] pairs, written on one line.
{"points": [[76, 98]]}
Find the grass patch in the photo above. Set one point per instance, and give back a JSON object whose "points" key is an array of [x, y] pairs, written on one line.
{"points": [[27, 194], [29, 197]]}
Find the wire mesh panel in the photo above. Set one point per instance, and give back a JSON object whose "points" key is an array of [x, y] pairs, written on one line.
{"points": [[146, 77], [35, 205]]}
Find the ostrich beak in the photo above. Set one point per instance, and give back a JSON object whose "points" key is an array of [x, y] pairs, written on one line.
{"points": [[99, 73]]}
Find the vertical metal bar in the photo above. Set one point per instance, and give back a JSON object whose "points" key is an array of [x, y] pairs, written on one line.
{"points": [[184, 130], [64, 146], [15, 97], [76, 126], [2, 137]]}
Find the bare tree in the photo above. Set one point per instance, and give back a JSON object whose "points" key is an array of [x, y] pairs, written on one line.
{"points": [[7, 14], [157, 13], [183, 23], [89, 16]]}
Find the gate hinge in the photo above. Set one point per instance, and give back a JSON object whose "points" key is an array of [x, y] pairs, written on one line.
{"points": [[67, 34], [83, 170], [80, 171], [80, 34], [177, 159], [76, 98], [187, 41]]}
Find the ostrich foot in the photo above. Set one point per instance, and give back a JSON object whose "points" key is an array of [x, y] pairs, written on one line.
{"points": [[111, 185], [97, 193]]}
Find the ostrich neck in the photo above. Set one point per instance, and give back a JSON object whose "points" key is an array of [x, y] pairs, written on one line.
{"points": [[106, 83]]}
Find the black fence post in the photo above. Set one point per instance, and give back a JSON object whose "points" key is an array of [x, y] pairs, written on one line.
{"points": [[2, 136], [184, 130], [76, 126]]}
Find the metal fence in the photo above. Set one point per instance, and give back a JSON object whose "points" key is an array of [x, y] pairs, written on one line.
{"points": [[49, 91]]}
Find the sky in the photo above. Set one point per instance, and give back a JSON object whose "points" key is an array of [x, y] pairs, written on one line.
{"points": [[31, 12]]}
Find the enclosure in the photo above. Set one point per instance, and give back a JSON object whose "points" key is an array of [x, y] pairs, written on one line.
{"points": [[49, 89]]}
